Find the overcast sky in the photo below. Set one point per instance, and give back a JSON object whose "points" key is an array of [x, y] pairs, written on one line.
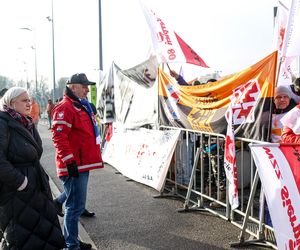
{"points": [[229, 35]]}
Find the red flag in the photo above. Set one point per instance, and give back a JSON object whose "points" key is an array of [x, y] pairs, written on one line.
{"points": [[191, 56]]}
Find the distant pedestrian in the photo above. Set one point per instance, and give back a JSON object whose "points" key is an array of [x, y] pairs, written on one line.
{"points": [[35, 111], [77, 142], [28, 218], [49, 111]]}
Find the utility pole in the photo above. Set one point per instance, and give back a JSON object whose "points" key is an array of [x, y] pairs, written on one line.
{"points": [[51, 19]]}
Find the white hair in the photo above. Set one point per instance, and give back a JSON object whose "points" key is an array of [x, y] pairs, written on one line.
{"points": [[10, 95]]}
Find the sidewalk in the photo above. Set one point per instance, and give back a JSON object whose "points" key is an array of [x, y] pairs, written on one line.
{"points": [[83, 235]]}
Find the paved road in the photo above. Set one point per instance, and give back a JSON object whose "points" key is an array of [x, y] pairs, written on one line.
{"points": [[129, 218]]}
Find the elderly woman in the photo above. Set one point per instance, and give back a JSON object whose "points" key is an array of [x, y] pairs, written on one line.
{"points": [[28, 218]]}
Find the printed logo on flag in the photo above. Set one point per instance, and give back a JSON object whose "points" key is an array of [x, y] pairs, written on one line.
{"points": [[230, 152], [244, 100], [173, 99]]}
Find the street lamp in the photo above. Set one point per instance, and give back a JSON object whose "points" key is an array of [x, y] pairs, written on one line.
{"points": [[35, 62], [53, 50]]}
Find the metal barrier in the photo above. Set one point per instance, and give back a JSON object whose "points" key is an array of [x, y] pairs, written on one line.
{"points": [[197, 175]]}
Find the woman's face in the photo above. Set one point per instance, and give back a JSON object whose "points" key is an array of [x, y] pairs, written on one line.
{"points": [[22, 104]]}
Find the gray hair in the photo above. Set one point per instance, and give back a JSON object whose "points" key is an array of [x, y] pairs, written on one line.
{"points": [[10, 95]]}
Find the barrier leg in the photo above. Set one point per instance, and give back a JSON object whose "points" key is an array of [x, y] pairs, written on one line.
{"points": [[259, 241], [186, 207]]}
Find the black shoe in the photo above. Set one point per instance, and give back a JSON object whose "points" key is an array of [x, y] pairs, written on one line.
{"points": [[84, 246], [58, 207], [86, 213]]}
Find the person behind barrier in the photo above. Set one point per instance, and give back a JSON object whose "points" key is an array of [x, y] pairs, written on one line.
{"points": [[77, 142], [211, 80], [2, 92], [28, 218], [217, 178], [283, 103], [180, 80]]}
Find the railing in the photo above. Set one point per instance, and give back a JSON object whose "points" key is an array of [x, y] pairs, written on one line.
{"points": [[197, 175]]}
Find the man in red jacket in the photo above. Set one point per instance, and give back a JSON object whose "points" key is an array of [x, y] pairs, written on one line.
{"points": [[77, 142]]}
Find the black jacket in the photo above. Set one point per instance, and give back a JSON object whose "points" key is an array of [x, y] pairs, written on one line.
{"points": [[28, 218]]}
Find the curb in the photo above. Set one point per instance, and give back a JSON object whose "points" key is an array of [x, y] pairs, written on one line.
{"points": [[83, 235]]}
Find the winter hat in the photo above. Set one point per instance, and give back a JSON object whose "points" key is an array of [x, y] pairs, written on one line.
{"points": [[282, 90], [9, 95]]}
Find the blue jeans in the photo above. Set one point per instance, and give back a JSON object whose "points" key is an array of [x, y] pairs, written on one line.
{"points": [[75, 190], [61, 198], [50, 121]]}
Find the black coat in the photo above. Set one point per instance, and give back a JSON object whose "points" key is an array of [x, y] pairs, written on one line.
{"points": [[28, 218]]}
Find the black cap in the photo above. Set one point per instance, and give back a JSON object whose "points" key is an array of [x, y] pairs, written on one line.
{"points": [[80, 78]]}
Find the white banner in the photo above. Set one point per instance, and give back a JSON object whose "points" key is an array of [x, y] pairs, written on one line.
{"points": [[278, 168], [285, 40], [292, 35], [142, 155]]}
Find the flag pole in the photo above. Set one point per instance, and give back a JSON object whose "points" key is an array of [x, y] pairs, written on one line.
{"points": [[168, 66], [271, 101]]}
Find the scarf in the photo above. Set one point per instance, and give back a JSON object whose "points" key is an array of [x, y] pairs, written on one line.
{"points": [[89, 109], [26, 121]]}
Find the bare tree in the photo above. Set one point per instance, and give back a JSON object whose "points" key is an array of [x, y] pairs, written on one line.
{"points": [[61, 87], [6, 82]]}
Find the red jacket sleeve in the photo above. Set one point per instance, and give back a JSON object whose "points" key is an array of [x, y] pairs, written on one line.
{"points": [[62, 125]]}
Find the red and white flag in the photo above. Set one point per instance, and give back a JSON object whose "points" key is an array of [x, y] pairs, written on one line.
{"points": [[278, 168], [230, 161], [243, 101], [291, 120], [168, 45]]}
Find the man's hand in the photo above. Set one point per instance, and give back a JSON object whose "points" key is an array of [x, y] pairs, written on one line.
{"points": [[72, 169]]}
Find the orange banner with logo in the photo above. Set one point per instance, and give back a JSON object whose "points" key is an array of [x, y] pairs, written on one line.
{"points": [[203, 107]]}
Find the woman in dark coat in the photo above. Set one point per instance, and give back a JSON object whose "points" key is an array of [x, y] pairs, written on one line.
{"points": [[28, 218]]}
